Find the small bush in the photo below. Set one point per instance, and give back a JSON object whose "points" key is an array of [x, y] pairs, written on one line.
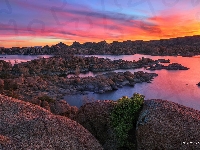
{"points": [[124, 117], [46, 98]]}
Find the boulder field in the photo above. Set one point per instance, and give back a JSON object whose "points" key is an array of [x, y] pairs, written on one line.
{"points": [[30, 88], [27, 126], [161, 125]]}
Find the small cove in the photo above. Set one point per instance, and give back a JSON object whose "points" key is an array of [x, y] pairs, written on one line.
{"points": [[174, 85]]}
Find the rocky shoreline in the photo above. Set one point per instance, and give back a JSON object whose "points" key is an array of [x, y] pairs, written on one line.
{"points": [[173, 66], [65, 65], [47, 77], [57, 87]]}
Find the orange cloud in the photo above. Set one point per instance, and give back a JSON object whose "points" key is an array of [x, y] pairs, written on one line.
{"points": [[68, 24]]}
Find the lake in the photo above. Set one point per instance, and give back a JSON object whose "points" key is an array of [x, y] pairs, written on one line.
{"points": [[174, 85], [177, 85]]}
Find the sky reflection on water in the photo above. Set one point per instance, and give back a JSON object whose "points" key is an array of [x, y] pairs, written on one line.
{"points": [[173, 85]]}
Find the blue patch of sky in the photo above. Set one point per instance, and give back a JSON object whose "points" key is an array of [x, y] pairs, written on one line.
{"points": [[115, 8]]}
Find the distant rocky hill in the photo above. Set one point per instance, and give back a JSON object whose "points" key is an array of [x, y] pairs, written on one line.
{"points": [[27, 126], [184, 46]]}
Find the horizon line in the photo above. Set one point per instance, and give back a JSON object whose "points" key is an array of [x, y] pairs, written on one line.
{"points": [[104, 40]]}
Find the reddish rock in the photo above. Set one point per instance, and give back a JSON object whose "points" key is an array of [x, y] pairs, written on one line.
{"points": [[61, 107], [95, 117], [27, 126], [168, 125]]}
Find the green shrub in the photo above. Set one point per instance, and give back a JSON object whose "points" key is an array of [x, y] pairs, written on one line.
{"points": [[46, 98], [124, 117]]}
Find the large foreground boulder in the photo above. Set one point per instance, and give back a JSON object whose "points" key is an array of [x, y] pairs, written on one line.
{"points": [[27, 126], [168, 125], [95, 117]]}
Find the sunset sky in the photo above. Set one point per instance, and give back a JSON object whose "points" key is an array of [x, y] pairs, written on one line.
{"points": [[38, 23]]}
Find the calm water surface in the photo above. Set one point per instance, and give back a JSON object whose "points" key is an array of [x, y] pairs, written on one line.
{"points": [[21, 58], [177, 85]]}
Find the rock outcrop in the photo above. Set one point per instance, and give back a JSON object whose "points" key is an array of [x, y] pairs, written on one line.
{"points": [[64, 65], [95, 117], [173, 66], [27, 126], [61, 107], [55, 87], [168, 125]]}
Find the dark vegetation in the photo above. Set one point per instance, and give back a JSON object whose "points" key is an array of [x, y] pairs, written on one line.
{"points": [[124, 117]]}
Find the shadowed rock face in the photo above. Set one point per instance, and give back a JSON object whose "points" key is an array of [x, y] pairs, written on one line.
{"points": [[27, 126], [95, 117], [167, 125]]}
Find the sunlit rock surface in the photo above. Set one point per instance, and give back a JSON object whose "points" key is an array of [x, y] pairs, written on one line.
{"points": [[168, 125], [27, 126]]}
